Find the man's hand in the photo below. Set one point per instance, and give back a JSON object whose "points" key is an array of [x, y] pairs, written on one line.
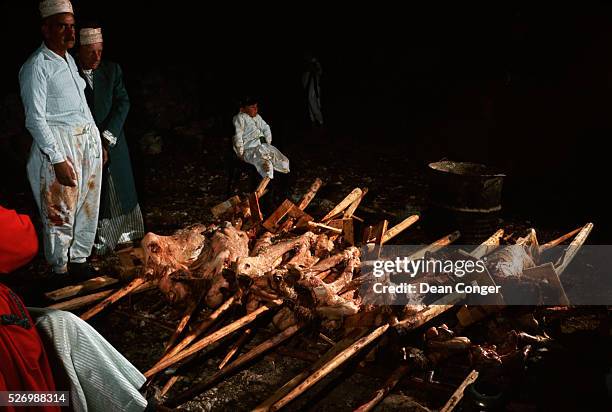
{"points": [[104, 156], [65, 174]]}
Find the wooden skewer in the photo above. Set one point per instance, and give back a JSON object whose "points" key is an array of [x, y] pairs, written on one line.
{"points": [[174, 379], [262, 187], [351, 209], [488, 245], [209, 340], [247, 357], [87, 286], [81, 301], [350, 198], [312, 191], [322, 226], [399, 228], [235, 347], [573, 248], [182, 324], [458, 394], [437, 308], [201, 328], [133, 285], [559, 240], [330, 366], [390, 383], [331, 353], [437, 245]]}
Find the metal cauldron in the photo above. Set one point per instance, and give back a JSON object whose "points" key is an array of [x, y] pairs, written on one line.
{"points": [[466, 196]]}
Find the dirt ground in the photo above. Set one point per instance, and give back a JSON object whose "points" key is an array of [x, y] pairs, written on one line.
{"points": [[179, 185]]}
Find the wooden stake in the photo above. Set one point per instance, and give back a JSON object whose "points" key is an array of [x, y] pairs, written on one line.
{"points": [[247, 357], [488, 245], [437, 308], [573, 248], [330, 354], [271, 223], [330, 366], [458, 394], [256, 215], [209, 340], [312, 191], [223, 207], [262, 187], [235, 347], [437, 245], [201, 328], [559, 240], [350, 198], [79, 302], [399, 228], [174, 379], [388, 386], [182, 324], [87, 286], [133, 285], [315, 225], [351, 209]]}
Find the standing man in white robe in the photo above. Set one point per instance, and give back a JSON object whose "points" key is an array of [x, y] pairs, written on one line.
{"points": [[65, 163]]}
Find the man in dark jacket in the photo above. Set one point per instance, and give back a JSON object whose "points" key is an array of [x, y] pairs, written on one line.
{"points": [[120, 216]]}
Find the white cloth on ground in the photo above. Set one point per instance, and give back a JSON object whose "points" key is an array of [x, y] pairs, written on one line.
{"points": [[101, 378], [249, 147]]}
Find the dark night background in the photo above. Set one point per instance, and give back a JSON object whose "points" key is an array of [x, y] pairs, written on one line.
{"points": [[525, 89]]}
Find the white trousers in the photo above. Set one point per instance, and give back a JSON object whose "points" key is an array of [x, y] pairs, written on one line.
{"points": [[69, 214], [266, 159]]}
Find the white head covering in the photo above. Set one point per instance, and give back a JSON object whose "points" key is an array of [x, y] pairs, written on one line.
{"points": [[50, 7], [90, 36]]}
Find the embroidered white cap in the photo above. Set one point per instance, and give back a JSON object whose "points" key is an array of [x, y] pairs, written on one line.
{"points": [[89, 35], [50, 7]]}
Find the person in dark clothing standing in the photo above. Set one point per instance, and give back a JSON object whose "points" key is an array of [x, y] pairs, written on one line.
{"points": [[120, 218]]}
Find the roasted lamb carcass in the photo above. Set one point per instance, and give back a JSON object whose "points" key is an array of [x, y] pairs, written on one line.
{"points": [[226, 245], [193, 260]]}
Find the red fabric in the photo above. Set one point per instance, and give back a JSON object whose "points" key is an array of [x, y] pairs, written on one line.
{"points": [[23, 362], [18, 240]]}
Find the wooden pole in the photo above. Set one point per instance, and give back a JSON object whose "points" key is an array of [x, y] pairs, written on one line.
{"points": [[209, 340], [330, 354], [488, 245], [559, 240], [87, 286], [201, 328], [247, 357], [133, 285], [312, 191], [399, 228], [262, 187], [182, 324], [437, 245], [458, 394], [351, 209], [235, 347], [330, 366], [350, 198], [573, 248], [388, 386]]}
